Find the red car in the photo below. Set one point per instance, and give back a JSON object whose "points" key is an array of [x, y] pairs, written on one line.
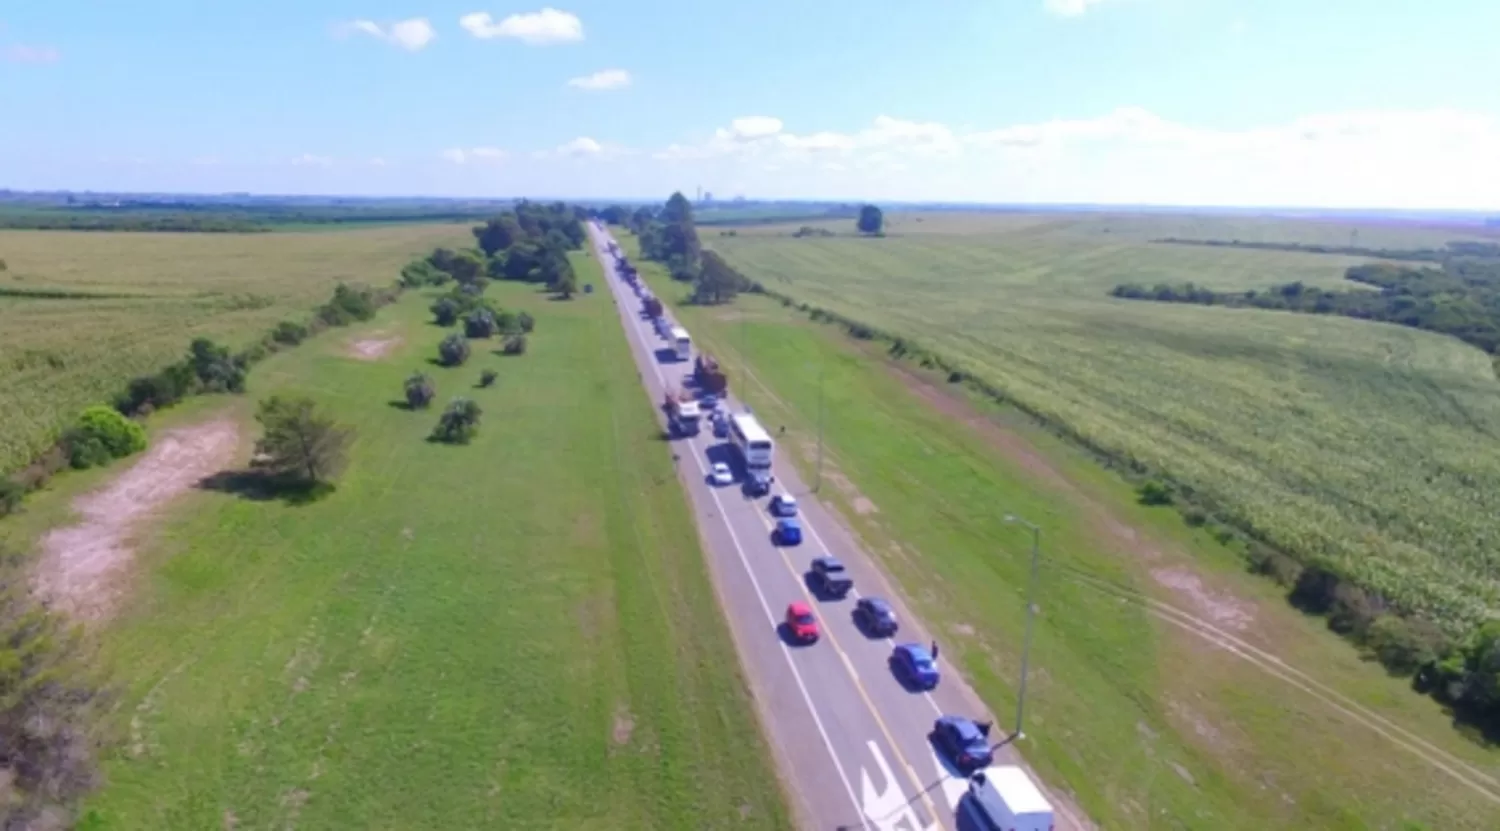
{"points": [[800, 623]]}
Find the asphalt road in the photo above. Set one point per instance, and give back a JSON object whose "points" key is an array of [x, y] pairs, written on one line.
{"points": [[851, 739]]}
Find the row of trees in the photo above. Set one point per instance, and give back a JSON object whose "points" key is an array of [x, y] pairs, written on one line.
{"points": [[669, 236], [1456, 248], [1462, 298], [460, 421], [528, 244]]}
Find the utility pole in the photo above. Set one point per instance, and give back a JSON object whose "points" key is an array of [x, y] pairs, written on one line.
{"points": [[1036, 547]]}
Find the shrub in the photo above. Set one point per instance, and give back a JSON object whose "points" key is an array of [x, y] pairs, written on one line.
{"points": [[459, 422], [102, 434], [11, 494], [515, 345], [1194, 517], [487, 378], [1405, 645], [1273, 564], [1353, 610], [508, 323], [289, 332], [155, 392], [216, 370], [300, 444], [480, 323], [419, 391], [1154, 493], [348, 304], [526, 322], [454, 350]]}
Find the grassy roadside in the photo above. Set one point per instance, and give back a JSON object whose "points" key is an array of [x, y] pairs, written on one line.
{"points": [[516, 634], [1149, 725]]}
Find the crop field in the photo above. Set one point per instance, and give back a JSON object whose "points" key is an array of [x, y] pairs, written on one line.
{"points": [[1146, 724], [517, 633], [1369, 445], [138, 299]]}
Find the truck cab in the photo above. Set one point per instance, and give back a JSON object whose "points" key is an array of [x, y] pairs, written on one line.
{"points": [[829, 578]]}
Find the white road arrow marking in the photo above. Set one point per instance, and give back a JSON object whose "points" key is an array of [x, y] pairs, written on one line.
{"points": [[888, 809]]}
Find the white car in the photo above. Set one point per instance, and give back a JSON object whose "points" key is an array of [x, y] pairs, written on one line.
{"points": [[721, 474]]}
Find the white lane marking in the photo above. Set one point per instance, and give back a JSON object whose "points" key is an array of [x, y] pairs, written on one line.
{"points": [[889, 809], [744, 561]]}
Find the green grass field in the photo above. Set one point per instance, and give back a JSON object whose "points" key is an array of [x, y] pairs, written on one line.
{"points": [[1150, 726], [519, 633], [1369, 445], [60, 355]]}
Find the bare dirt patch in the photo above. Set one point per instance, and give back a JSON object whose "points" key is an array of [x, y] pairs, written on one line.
{"points": [[373, 349], [1222, 609], [79, 564], [624, 726]]}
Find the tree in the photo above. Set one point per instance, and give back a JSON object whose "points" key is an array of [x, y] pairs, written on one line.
{"points": [[508, 323], [871, 220], [480, 323], [564, 282], [419, 391], [487, 378], [454, 350], [498, 234], [445, 311], [299, 443], [458, 423], [615, 215], [515, 345], [717, 282], [526, 322], [678, 209], [466, 267]]}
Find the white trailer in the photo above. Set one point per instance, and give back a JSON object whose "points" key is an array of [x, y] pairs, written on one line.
{"points": [[682, 343], [1003, 798]]}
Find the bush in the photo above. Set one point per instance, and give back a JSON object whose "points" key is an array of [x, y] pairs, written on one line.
{"points": [[1353, 610], [348, 304], [215, 369], [419, 391], [458, 423], [480, 323], [487, 378], [289, 332], [515, 345], [1154, 493], [102, 434], [1403, 645], [11, 494], [526, 322], [508, 323], [454, 350], [1273, 564], [155, 392]]}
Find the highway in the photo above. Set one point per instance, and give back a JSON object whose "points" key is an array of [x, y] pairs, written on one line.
{"points": [[852, 741]]}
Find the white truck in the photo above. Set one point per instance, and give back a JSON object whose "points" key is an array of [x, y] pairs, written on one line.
{"points": [[1003, 798], [684, 418], [756, 451], [682, 343]]}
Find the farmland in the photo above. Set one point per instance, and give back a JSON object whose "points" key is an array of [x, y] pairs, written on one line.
{"points": [[138, 299], [1149, 725], [517, 633], [1367, 445]]}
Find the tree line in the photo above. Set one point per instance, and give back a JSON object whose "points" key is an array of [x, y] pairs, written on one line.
{"points": [[1461, 298], [1456, 248], [668, 235], [189, 217]]}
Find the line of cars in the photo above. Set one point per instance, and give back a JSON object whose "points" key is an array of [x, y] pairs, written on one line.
{"points": [[998, 797]]}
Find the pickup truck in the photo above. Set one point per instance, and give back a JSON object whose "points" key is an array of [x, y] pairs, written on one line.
{"points": [[829, 578]]}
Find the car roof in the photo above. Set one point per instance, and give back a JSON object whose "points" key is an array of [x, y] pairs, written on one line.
{"points": [[797, 607], [916, 650], [876, 603], [786, 497], [720, 464], [828, 561], [788, 522]]}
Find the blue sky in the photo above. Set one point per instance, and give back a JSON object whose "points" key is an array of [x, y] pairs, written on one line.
{"points": [[1287, 102]]}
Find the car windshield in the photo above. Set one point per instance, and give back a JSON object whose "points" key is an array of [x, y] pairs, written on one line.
{"points": [[804, 618]]}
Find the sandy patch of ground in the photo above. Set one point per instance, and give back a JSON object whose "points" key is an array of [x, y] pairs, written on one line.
{"points": [[1218, 607], [79, 564], [373, 349], [623, 727]]}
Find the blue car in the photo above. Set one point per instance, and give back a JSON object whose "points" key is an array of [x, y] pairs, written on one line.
{"points": [[913, 663], [788, 531], [966, 741]]}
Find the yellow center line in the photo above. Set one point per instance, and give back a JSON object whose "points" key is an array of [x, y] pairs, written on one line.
{"points": [[854, 676]]}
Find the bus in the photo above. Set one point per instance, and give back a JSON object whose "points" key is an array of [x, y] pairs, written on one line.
{"points": [[756, 449], [684, 344]]}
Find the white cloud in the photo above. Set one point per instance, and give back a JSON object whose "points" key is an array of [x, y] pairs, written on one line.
{"points": [[459, 155], [310, 160], [410, 35], [1070, 8], [751, 127], [21, 53], [602, 80], [540, 28], [581, 146]]}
